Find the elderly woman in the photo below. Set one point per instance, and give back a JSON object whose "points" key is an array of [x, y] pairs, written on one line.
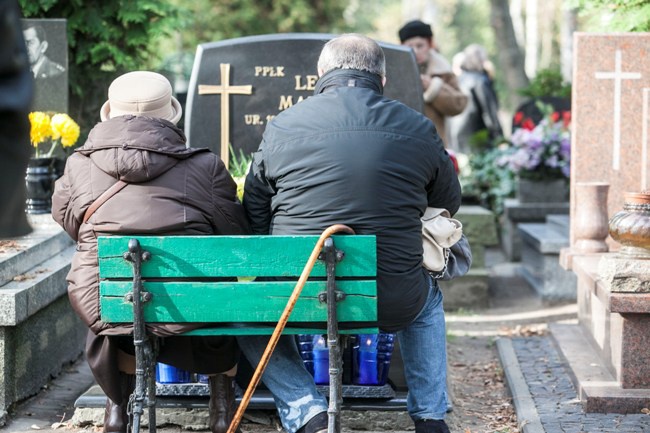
{"points": [[136, 175]]}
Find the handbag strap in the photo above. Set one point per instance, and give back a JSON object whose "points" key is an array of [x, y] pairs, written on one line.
{"points": [[110, 192]]}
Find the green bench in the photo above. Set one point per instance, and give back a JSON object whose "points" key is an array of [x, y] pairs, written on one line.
{"points": [[239, 285]]}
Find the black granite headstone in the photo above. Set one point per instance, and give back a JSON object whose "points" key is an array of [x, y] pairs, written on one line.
{"points": [[47, 48], [238, 85]]}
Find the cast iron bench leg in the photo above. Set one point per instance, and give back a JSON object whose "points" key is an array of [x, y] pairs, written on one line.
{"points": [[145, 358], [331, 257]]}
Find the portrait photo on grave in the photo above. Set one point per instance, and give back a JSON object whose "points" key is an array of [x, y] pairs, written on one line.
{"points": [[47, 49]]}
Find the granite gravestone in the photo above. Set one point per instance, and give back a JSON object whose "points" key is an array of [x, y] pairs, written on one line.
{"points": [[47, 48], [238, 85], [610, 115]]}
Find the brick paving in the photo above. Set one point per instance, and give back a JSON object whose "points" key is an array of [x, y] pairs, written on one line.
{"points": [[555, 397]]}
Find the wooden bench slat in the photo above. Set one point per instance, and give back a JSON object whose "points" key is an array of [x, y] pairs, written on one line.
{"points": [[269, 330], [182, 302], [226, 256]]}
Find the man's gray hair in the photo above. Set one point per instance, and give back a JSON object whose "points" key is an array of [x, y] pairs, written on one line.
{"points": [[353, 51]]}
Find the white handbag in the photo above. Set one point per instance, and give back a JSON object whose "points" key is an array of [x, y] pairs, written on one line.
{"points": [[442, 237]]}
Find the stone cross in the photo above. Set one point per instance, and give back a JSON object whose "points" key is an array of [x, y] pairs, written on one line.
{"points": [[618, 76], [225, 90]]}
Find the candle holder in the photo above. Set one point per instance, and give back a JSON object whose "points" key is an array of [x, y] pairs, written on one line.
{"points": [[631, 226], [169, 374], [372, 358]]}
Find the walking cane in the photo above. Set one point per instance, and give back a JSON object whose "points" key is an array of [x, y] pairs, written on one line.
{"points": [[270, 347]]}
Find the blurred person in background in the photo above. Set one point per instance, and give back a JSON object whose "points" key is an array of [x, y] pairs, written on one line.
{"points": [[16, 89], [481, 114], [441, 93]]}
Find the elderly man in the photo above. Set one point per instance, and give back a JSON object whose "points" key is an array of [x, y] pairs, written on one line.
{"points": [[350, 155]]}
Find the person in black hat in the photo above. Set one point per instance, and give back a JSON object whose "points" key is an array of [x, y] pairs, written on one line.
{"points": [[442, 95]]}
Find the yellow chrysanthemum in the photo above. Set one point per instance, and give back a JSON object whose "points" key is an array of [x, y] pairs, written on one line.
{"points": [[40, 127], [65, 128]]}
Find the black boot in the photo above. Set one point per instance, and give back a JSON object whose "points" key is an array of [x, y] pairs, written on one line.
{"points": [[222, 403], [115, 416]]}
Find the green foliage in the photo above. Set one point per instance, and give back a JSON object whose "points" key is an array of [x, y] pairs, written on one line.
{"points": [[487, 180], [105, 38], [465, 22], [615, 15], [211, 20], [547, 82], [238, 162]]}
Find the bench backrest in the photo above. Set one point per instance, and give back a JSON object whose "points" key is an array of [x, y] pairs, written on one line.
{"points": [[234, 279]]}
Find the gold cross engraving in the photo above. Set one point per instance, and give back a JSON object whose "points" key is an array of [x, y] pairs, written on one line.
{"points": [[225, 90]]}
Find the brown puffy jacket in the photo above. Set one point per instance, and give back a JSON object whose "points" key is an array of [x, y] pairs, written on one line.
{"points": [[172, 190], [443, 98]]}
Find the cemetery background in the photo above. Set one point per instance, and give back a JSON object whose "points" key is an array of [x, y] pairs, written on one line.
{"points": [[470, 347]]}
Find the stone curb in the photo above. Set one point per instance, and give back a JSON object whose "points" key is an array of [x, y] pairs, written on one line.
{"points": [[527, 416]]}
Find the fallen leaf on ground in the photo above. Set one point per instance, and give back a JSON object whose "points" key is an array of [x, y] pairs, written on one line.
{"points": [[6, 246]]}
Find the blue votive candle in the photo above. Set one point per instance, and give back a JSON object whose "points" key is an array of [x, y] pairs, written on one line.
{"points": [[368, 360], [321, 361]]}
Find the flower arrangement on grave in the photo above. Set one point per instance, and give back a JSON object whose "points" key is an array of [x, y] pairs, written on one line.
{"points": [[48, 131], [540, 151]]}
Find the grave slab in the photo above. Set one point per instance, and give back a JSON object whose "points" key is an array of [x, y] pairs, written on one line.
{"points": [[541, 245], [597, 388], [39, 332], [516, 213]]}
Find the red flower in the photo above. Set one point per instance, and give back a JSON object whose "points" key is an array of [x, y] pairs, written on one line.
{"points": [[566, 118], [528, 124], [555, 116], [519, 116]]}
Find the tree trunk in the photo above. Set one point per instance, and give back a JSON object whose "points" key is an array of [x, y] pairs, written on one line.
{"points": [[532, 41], [569, 25], [511, 59]]}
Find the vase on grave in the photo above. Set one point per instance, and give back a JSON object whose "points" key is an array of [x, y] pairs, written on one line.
{"points": [[39, 182], [631, 226], [590, 219], [542, 191]]}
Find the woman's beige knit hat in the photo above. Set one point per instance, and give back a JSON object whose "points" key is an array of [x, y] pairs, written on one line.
{"points": [[141, 93]]}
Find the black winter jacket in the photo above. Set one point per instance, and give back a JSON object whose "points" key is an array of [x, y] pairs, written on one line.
{"points": [[349, 155]]}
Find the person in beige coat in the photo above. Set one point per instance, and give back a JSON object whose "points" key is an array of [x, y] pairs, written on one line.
{"points": [[171, 189], [441, 93]]}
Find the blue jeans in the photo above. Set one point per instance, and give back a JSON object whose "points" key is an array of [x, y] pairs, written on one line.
{"points": [[293, 388], [424, 352]]}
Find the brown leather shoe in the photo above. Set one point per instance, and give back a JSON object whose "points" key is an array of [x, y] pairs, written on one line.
{"points": [[222, 403], [115, 416]]}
